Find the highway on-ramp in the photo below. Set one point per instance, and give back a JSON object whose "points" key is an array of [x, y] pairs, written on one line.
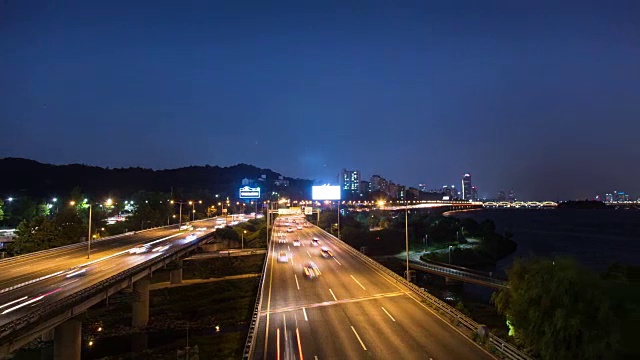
{"points": [[349, 311]]}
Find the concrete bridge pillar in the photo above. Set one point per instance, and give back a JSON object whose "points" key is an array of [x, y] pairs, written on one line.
{"points": [[175, 276], [140, 303], [67, 340]]}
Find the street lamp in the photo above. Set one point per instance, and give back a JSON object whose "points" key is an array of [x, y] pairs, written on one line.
{"points": [[72, 203], [450, 254], [179, 220], [243, 232]]}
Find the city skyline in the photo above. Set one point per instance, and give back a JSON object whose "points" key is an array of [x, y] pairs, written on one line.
{"points": [[519, 95]]}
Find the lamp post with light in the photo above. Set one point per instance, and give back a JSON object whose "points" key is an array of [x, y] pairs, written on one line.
{"points": [[180, 219], [243, 232]]}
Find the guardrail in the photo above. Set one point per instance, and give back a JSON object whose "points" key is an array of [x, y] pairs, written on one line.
{"points": [[255, 318], [459, 273], [43, 313], [506, 349], [82, 244]]}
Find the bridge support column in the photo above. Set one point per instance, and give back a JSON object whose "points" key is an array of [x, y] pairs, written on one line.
{"points": [[140, 303], [175, 276], [67, 340]]}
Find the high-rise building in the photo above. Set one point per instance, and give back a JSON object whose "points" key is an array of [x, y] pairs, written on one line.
{"points": [[467, 189], [501, 196], [474, 193], [512, 195], [378, 183], [365, 188], [402, 192], [423, 187], [350, 182]]}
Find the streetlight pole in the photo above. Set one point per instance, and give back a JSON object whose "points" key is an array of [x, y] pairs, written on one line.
{"points": [[338, 219], [180, 219], [450, 254], [406, 235], [89, 235], [243, 232]]}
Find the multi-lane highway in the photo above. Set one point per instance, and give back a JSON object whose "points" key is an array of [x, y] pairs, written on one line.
{"points": [[349, 311], [41, 278]]}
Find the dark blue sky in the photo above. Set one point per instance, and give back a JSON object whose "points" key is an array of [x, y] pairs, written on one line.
{"points": [[541, 97]]}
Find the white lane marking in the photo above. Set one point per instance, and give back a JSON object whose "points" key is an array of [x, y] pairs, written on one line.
{"points": [[354, 279], [308, 253], [337, 261], [385, 310], [315, 357], [297, 284], [332, 294], [288, 247], [358, 336], [305, 314]]}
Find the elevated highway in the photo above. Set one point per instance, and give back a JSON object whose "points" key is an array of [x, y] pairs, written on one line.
{"points": [[45, 290]]}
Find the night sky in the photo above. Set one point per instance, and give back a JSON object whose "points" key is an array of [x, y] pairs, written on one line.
{"points": [[543, 98]]}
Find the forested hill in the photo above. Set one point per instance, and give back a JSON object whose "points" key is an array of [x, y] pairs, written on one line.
{"points": [[34, 179]]}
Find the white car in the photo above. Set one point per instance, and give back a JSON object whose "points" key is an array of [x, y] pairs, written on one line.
{"points": [[299, 227], [296, 242], [191, 237], [283, 257], [315, 242]]}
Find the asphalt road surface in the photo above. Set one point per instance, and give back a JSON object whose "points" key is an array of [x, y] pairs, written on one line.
{"points": [[349, 311]]}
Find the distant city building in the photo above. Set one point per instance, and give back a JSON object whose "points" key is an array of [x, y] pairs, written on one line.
{"points": [[467, 188], [512, 195], [423, 187], [365, 188], [474, 193], [413, 193], [501, 196], [378, 183], [402, 192], [281, 181], [392, 190], [350, 182], [447, 193], [608, 197]]}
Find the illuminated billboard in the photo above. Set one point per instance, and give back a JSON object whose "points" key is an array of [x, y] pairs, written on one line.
{"points": [[325, 192], [249, 193]]}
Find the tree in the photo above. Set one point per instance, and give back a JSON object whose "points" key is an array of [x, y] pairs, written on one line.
{"points": [[1, 211], [558, 309]]}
